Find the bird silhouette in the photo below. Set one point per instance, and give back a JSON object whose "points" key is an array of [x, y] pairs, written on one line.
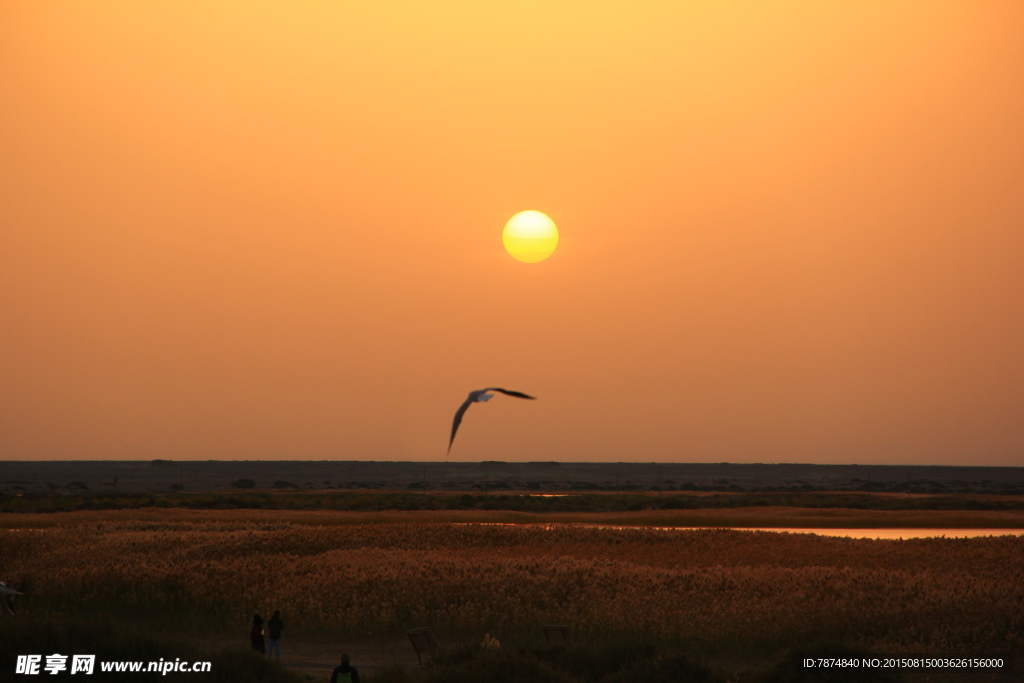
{"points": [[479, 396]]}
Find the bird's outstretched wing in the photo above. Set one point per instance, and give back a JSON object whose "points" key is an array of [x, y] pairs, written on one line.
{"points": [[473, 397], [9, 603], [517, 394], [458, 420]]}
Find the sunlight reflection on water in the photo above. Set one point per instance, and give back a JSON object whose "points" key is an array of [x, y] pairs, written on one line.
{"points": [[900, 533], [890, 534]]}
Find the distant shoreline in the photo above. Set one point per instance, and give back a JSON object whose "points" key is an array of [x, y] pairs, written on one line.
{"points": [[545, 477]]}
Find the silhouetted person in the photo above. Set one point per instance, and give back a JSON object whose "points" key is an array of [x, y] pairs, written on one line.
{"points": [[345, 673], [256, 634], [274, 627]]}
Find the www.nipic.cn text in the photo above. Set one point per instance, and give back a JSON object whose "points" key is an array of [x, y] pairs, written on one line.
{"points": [[32, 665]]}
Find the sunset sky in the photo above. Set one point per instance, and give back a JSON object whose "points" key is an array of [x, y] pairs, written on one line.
{"points": [[789, 232]]}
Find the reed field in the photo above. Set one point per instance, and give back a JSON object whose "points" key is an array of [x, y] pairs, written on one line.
{"points": [[713, 590]]}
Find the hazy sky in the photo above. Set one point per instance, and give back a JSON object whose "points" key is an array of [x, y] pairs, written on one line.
{"points": [[790, 232]]}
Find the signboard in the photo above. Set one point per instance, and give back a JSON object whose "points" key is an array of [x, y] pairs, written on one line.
{"points": [[423, 642]]}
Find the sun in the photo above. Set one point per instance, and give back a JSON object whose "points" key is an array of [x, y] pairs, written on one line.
{"points": [[530, 236]]}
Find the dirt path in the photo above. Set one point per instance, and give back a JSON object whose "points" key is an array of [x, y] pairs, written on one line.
{"points": [[315, 659]]}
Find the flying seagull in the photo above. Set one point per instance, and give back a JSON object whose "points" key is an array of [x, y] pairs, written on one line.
{"points": [[8, 594], [479, 396]]}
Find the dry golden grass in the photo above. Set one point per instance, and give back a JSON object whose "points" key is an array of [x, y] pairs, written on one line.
{"points": [[711, 586]]}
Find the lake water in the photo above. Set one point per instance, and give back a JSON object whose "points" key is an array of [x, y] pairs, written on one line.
{"points": [[900, 533], [890, 534], [871, 533]]}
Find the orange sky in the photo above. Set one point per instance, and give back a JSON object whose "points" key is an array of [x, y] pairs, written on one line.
{"points": [[790, 232]]}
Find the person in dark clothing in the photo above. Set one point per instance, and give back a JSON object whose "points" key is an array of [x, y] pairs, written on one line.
{"points": [[256, 634], [274, 627], [345, 673]]}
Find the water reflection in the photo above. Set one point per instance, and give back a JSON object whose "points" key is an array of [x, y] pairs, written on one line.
{"points": [[900, 533], [889, 534]]}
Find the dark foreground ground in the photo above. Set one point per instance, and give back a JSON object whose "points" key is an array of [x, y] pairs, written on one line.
{"points": [[557, 477], [523, 659]]}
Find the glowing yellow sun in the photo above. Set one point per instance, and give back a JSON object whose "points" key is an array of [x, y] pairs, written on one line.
{"points": [[530, 236]]}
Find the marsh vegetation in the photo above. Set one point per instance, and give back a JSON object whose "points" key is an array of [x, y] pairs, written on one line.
{"points": [[708, 593]]}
